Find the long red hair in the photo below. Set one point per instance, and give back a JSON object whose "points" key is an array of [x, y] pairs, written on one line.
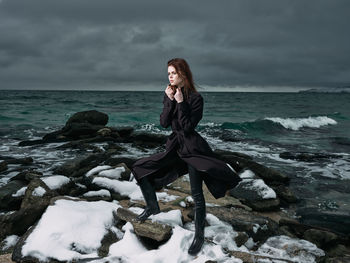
{"points": [[183, 69]]}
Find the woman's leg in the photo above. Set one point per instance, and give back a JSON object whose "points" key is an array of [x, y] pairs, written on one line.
{"points": [[196, 181], [150, 197]]}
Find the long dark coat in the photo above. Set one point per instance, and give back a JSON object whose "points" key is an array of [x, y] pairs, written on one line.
{"points": [[185, 146]]}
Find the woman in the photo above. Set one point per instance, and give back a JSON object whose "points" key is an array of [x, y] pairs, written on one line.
{"points": [[186, 152]]}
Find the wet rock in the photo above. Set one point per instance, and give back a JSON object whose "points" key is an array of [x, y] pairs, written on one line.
{"points": [[26, 176], [258, 227], [123, 131], [241, 238], [92, 116], [321, 238], [148, 140], [23, 161], [284, 193], [3, 166], [81, 165], [149, 229], [106, 242], [333, 220], [269, 175], [307, 157], [117, 160], [246, 191], [7, 200]]}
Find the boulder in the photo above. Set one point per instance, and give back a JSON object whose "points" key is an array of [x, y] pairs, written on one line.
{"points": [[91, 116], [153, 230], [7, 200], [307, 156]]}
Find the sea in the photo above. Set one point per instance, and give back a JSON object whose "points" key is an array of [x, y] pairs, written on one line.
{"points": [[261, 125]]}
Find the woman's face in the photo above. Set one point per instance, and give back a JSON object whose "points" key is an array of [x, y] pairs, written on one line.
{"points": [[174, 77]]}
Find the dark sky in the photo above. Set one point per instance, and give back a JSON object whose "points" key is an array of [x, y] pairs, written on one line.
{"points": [[229, 44]]}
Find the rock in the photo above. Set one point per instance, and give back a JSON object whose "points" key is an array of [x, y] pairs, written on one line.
{"points": [[258, 227], [80, 130], [7, 200], [91, 116], [27, 176], [246, 191], [106, 242], [23, 161], [3, 166], [267, 174], [117, 160], [320, 238], [104, 132], [284, 193], [241, 238], [148, 140], [81, 165], [338, 250], [123, 131], [333, 220], [307, 157], [149, 229]]}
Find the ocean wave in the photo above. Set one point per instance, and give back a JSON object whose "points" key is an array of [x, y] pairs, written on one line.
{"points": [[297, 123]]}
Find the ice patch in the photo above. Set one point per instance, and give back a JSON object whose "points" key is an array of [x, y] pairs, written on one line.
{"points": [[297, 123]]}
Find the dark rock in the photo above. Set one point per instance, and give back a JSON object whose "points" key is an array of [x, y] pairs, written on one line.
{"points": [[106, 242], [81, 165], [148, 140], [7, 201], [3, 166], [333, 220], [307, 157], [338, 250], [31, 198], [267, 174], [35, 142], [104, 132], [91, 116], [249, 196], [284, 193], [238, 154], [258, 227], [241, 239], [320, 238], [24, 161], [123, 131], [27, 176]]}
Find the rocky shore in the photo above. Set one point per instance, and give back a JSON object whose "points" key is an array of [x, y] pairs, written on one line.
{"points": [[257, 211]]}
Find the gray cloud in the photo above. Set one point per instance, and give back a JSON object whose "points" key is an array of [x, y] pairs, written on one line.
{"points": [[114, 44]]}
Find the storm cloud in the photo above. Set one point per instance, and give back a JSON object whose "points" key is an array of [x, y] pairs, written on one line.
{"points": [[108, 44]]}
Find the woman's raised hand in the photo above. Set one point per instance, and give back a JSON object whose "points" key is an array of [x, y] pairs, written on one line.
{"points": [[169, 92], [178, 95]]}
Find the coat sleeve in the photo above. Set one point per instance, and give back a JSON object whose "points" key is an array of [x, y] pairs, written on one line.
{"points": [[190, 114], [168, 109]]}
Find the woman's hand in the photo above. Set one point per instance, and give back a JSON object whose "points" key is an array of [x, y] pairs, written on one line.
{"points": [[178, 95], [169, 92]]}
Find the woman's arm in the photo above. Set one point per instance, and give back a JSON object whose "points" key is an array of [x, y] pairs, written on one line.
{"points": [[166, 115], [190, 115]]}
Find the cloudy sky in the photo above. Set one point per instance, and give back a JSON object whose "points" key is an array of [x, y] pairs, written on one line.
{"points": [[229, 44]]}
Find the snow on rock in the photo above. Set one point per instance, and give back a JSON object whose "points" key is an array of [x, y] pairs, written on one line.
{"points": [[10, 241], [263, 190], [127, 188], [70, 230], [296, 250], [130, 249], [173, 217], [20, 192], [39, 191], [115, 173], [56, 181], [97, 169], [102, 192], [247, 174]]}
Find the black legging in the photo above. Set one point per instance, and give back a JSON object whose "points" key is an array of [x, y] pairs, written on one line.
{"points": [[196, 181]]}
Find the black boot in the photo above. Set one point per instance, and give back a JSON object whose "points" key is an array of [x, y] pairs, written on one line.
{"points": [[152, 207], [199, 222]]}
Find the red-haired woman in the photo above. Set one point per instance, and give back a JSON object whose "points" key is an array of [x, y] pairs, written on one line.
{"points": [[186, 152]]}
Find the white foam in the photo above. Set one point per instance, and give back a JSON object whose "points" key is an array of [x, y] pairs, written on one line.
{"points": [[297, 123]]}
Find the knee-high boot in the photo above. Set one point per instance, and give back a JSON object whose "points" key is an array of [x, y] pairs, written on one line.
{"points": [[150, 197], [199, 221]]}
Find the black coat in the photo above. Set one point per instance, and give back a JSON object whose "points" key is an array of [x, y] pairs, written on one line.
{"points": [[185, 146]]}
